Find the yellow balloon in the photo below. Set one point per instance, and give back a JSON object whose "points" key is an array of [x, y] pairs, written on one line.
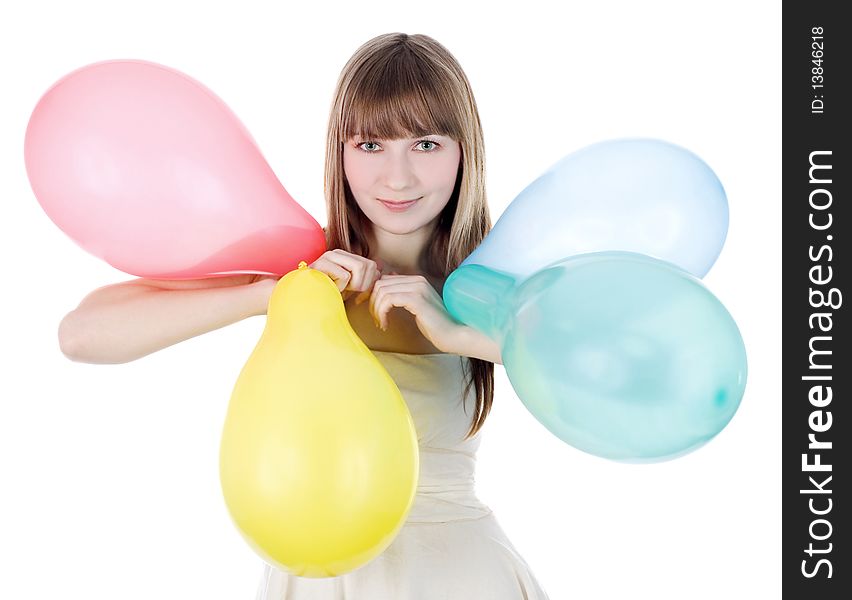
{"points": [[319, 456]]}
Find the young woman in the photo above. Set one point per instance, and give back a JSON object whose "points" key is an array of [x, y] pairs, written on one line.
{"points": [[405, 191]]}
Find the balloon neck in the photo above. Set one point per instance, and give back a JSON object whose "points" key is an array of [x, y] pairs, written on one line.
{"points": [[303, 300], [481, 298]]}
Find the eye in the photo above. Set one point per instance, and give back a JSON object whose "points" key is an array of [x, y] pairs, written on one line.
{"points": [[360, 146], [371, 147], [432, 147]]}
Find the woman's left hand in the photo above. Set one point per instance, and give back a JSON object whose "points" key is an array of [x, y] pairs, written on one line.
{"points": [[415, 294]]}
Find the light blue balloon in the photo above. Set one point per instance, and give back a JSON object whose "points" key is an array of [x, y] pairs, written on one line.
{"points": [[634, 195], [618, 354]]}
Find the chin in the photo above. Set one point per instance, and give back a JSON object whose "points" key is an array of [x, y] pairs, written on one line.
{"points": [[398, 228], [403, 224]]}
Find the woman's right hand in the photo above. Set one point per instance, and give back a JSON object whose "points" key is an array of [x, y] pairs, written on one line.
{"points": [[351, 273]]}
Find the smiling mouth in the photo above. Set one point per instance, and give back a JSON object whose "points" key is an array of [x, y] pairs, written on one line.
{"points": [[398, 205], [393, 202]]}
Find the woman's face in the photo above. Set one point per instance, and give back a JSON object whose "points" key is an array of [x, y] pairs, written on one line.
{"points": [[402, 185]]}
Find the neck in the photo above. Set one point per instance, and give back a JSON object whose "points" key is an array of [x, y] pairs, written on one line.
{"points": [[399, 252]]}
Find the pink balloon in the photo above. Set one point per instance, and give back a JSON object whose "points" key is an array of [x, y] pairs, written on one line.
{"points": [[149, 170]]}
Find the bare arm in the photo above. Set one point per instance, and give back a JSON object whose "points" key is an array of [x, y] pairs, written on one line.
{"points": [[470, 342], [125, 321]]}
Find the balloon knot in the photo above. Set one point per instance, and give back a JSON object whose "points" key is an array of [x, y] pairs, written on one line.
{"points": [[303, 265]]}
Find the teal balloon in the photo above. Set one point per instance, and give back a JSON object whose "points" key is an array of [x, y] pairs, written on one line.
{"points": [[634, 195], [616, 353]]}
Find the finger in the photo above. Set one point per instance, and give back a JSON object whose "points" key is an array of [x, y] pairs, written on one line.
{"points": [[364, 271], [338, 274], [379, 313], [378, 292], [372, 275], [375, 296], [405, 283], [407, 300], [395, 275]]}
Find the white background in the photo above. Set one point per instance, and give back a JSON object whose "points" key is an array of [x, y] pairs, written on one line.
{"points": [[110, 473]]}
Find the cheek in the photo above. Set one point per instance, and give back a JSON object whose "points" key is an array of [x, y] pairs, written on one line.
{"points": [[353, 170], [443, 173]]}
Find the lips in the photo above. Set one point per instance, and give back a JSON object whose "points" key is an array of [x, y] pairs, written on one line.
{"points": [[397, 206]]}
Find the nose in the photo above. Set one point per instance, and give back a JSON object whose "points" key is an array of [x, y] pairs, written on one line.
{"points": [[398, 173]]}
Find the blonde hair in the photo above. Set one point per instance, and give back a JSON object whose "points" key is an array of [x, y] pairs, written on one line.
{"points": [[398, 85]]}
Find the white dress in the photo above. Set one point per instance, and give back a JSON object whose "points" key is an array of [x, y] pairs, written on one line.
{"points": [[451, 547]]}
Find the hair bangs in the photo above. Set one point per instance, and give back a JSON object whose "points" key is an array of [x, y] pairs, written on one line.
{"points": [[397, 102]]}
